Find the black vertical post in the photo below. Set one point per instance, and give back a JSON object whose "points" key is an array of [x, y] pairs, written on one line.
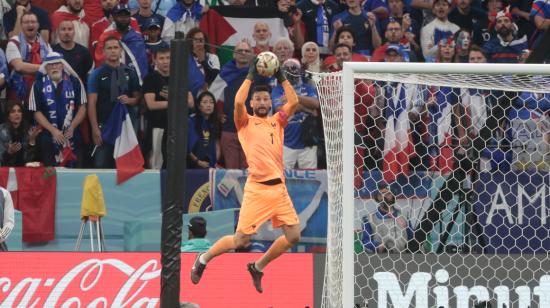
{"points": [[172, 221]]}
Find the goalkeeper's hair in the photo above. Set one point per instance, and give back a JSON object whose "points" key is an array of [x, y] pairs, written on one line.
{"points": [[261, 88]]}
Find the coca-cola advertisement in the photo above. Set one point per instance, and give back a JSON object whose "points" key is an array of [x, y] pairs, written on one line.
{"points": [[133, 280]]}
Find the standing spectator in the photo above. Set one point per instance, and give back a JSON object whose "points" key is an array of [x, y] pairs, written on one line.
{"points": [[160, 7], [292, 18], [13, 19], [17, 139], [76, 55], [203, 143], [394, 35], [364, 24], [506, 46], [74, 13], [438, 29], [344, 35], [284, 49], [469, 17], [7, 220], [196, 241], [145, 13], [410, 26], [540, 12], [208, 63], [153, 43], [182, 17], [297, 154], [58, 100], [106, 22], [24, 54], [109, 84], [317, 16], [262, 38]]}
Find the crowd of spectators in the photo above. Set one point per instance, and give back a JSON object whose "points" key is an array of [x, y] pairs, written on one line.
{"points": [[65, 64]]}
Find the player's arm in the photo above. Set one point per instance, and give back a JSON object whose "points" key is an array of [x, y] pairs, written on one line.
{"points": [[240, 114]]}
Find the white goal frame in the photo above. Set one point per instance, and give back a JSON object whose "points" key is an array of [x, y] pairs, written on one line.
{"points": [[350, 71]]}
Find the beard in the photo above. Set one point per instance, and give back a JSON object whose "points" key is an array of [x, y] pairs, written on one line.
{"points": [[56, 76], [122, 26], [504, 31], [261, 112]]}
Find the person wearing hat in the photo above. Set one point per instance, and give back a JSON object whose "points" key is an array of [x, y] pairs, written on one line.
{"points": [[196, 240], [506, 46], [151, 31], [386, 229], [299, 152], [437, 29], [58, 100]]}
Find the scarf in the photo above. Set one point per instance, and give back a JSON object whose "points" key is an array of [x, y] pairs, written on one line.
{"points": [[62, 115], [119, 83], [180, 12], [322, 27], [38, 51]]}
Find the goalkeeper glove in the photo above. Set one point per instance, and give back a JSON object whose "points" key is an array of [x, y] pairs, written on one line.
{"points": [[280, 76], [252, 69]]}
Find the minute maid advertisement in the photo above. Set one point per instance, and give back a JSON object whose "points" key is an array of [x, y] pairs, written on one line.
{"points": [[307, 189]]}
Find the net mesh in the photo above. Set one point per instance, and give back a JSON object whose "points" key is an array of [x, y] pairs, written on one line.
{"points": [[450, 174]]}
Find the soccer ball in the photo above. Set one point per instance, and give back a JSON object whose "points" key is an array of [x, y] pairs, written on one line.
{"points": [[267, 64]]}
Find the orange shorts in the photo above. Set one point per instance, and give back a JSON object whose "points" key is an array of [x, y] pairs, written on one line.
{"points": [[263, 202]]}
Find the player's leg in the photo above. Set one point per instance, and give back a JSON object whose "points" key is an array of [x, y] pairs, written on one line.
{"points": [[283, 243]]}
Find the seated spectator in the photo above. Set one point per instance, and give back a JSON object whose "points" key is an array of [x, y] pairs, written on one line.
{"points": [[292, 18], [109, 84], [160, 7], [203, 145], [394, 35], [438, 29], [208, 63], [182, 17], [386, 230], [196, 240], [76, 55], [344, 35], [7, 220], [364, 25], [74, 13], [106, 22], [463, 41], [262, 37], [17, 139], [317, 16], [296, 153], [132, 42], [469, 17], [58, 100], [506, 46], [284, 49], [540, 13], [24, 55], [145, 13], [12, 19], [153, 43]]}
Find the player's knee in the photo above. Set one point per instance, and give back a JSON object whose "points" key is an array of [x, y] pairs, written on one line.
{"points": [[293, 239], [242, 241]]}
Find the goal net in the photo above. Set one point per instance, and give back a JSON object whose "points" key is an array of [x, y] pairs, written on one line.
{"points": [[438, 185]]}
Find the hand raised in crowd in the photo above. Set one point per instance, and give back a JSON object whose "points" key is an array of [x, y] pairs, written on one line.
{"points": [[296, 17], [96, 135], [58, 137], [33, 134], [124, 99], [14, 147], [20, 9], [372, 19], [337, 24]]}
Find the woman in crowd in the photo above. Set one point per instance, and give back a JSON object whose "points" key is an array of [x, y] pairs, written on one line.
{"points": [[17, 140], [208, 63], [203, 146], [463, 40], [311, 60]]}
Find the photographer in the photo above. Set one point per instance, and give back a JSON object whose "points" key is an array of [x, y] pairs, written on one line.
{"points": [[386, 230]]}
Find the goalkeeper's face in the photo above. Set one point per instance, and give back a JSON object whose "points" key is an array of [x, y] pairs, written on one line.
{"points": [[261, 103]]}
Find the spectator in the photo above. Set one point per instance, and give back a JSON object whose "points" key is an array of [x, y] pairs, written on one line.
{"points": [[160, 7], [145, 14], [317, 16], [76, 55], [17, 140], [284, 49], [386, 230], [132, 42], [296, 153], [58, 100], [182, 17], [203, 144], [24, 55], [342, 53], [74, 13], [522, 10], [106, 23], [196, 241], [438, 29], [262, 37], [394, 35], [377, 7], [506, 46], [13, 19], [469, 17], [153, 43], [311, 60], [446, 51], [364, 25], [3, 71], [109, 84], [208, 63], [292, 18], [540, 12], [463, 41], [7, 220], [410, 26], [344, 35]]}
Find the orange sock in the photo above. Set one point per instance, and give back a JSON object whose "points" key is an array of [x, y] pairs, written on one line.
{"points": [[277, 248], [224, 244]]}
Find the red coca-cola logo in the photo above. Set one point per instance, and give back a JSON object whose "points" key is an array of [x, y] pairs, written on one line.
{"points": [[133, 280]]}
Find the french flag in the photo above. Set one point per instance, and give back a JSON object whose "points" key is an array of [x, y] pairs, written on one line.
{"points": [[444, 162], [398, 147], [118, 131]]}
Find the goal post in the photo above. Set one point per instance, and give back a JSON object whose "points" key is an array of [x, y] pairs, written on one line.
{"points": [[337, 94]]}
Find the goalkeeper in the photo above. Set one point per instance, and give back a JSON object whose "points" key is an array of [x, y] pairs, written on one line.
{"points": [[265, 194]]}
